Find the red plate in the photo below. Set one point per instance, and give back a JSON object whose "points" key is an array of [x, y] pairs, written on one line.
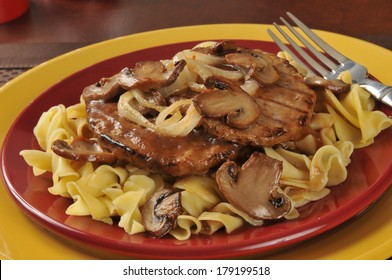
{"points": [[370, 174]]}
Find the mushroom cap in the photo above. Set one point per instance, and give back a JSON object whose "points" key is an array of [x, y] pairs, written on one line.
{"points": [[160, 213], [150, 74], [82, 150], [255, 65], [226, 100], [253, 188], [336, 86], [106, 88]]}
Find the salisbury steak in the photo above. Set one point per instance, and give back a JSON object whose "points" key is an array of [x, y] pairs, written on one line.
{"points": [[195, 153], [123, 110]]}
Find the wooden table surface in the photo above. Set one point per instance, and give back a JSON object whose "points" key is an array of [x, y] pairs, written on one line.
{"points": [[52, 27], [49, 21]]}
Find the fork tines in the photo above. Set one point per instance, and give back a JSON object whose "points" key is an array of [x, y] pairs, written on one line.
{"points": [[326, 66]]}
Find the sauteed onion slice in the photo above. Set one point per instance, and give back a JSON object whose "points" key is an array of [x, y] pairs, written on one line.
{"points": [[169, 121]]}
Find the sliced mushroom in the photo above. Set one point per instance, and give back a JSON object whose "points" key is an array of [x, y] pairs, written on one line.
{"points": [[82, 150], [253, 188], [106, 88], [226, 100], [224, 47], [336, 86], [150, 74], [256, 65], [219, 48], [160, 213]]}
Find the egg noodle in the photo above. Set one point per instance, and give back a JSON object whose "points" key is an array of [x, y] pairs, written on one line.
{"points": [[344, 123]]}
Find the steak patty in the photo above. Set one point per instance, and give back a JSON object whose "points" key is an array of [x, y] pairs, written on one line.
{"points": [[195, 153], [230, 120]]}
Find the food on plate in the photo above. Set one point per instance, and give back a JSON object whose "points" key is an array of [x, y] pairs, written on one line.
{"points": [[216, 137]]}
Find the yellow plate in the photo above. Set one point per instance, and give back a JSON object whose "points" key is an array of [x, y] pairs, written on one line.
{"points": [[365, 237]]}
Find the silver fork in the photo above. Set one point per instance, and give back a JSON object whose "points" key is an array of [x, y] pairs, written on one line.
{"points": [[328, 68]]}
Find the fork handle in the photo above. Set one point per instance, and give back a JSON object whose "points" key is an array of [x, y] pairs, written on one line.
{"points": [[378, 90]]}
